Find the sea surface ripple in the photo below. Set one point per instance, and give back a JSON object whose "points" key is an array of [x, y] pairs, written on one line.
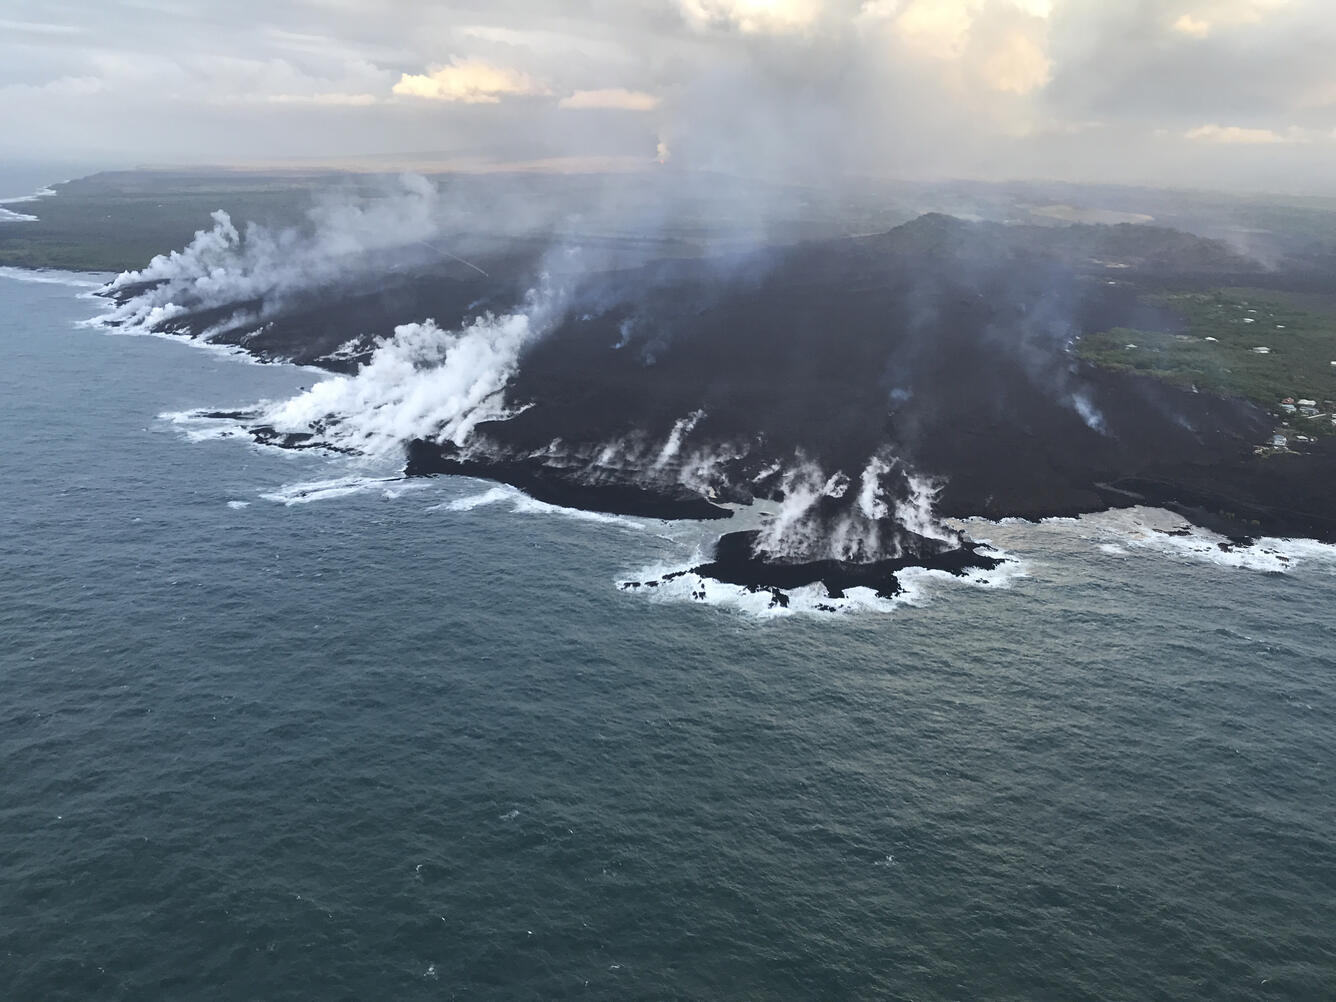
{"points": [[388, 746]]}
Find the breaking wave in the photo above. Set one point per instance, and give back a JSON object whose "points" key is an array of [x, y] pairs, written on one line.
{"points": [[1161, 533], [1140, 532], [35, 196], [668, 583], [338, 487], [522, 504]]}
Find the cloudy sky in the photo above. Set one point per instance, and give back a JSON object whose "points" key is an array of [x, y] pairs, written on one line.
{"points": [[1230, 93]]}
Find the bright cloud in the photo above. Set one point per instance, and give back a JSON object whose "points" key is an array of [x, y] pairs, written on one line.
{"points": [[1205, 16], [979, 87], [614, 99], [1017, 65], [1035, 8], [752, 16], [1192, 27], [1011, 59], [468, 81], [940, 28], [1233, 134], [329, 99]]}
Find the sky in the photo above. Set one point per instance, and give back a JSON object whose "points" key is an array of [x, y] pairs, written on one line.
{"points": [[1206, 93]]}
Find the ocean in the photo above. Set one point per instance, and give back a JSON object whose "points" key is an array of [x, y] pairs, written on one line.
{"points": [[280, 726]]}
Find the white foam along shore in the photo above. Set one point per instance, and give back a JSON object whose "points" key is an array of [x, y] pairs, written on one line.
{"points": [[34, 196], [11, 216], [103, 323], [1119, 532], [74, 279], [521, 504], [309, 491], [198, 426], [1123, 532], [919, 586]]}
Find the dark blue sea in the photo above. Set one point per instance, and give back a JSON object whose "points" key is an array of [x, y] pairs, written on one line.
{"points": [[273, 730]]}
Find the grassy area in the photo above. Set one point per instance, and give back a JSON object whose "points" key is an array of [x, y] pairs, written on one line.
{"points": [[1215, 352]]}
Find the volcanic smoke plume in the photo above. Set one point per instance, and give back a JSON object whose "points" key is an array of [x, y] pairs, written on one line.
{"points": [[861, 384]]}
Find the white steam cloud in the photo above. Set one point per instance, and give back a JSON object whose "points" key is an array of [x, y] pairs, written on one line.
{"points": [[423, 382], [915, 511], [225, 266], [1090, 414], [801, 531], [673, 446]]}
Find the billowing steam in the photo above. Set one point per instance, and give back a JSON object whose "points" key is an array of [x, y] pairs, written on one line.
{"points": [[229, 267], [421, 383], [815, 521], [517, 393]]}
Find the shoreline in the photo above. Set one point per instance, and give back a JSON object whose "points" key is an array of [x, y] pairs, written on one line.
{"points": [[1053, 456], [1240, 520]]}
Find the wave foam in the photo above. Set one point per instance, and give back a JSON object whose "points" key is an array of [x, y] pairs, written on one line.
{"points": [[35, 196], [666, 583], [1153, 530], [77, 279], [106, 324], [198, 426], [338, 487], [522, 504], [493, 496], [1127, 532]]}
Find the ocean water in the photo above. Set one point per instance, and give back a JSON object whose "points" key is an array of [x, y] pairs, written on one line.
{"points": [[271, 731]]}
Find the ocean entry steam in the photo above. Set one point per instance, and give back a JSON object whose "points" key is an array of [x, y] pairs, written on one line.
{"points": [[800, 554]]}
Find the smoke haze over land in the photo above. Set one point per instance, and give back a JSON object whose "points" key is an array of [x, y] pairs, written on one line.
{"points": [[1197, 92], [657, 259]]}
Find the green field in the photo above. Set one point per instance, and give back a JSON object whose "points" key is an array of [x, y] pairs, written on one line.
{"points": [[1300, 332]]}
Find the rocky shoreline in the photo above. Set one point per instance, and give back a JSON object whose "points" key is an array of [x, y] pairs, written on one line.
{"points": [[736, 562], [938, 352]]}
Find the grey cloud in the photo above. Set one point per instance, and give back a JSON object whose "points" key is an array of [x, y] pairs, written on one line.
{"points": [[1122, 63], [1094, 91]]}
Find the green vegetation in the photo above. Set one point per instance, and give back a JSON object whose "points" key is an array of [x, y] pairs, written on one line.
{"points": [[1300, 332]]}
